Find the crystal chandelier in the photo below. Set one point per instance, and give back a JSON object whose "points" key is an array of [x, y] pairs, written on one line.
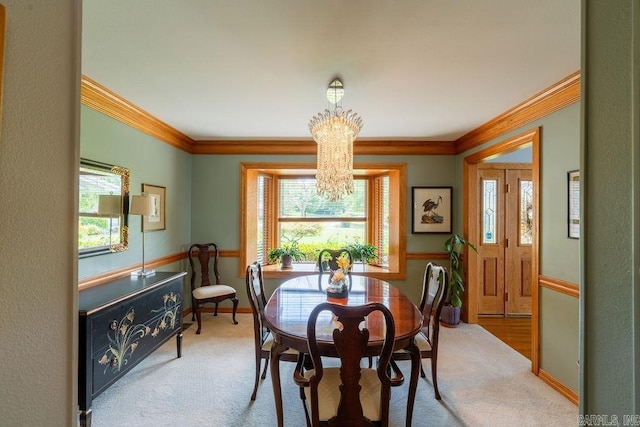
{"points": [[334, 132]]}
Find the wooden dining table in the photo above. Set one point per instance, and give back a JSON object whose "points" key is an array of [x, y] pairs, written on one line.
{"points": [[287, 313]]}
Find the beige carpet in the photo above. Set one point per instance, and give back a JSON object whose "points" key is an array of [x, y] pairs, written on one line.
{"points": [[483, 382]]}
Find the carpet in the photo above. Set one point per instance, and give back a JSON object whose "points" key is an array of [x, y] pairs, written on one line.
{"points": [[483, 382]]}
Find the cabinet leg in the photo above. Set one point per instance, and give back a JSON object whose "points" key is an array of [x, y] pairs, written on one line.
{"points": [[85, 418], [179, 344]]}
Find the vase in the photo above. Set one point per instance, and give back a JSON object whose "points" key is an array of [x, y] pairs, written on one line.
{"points": [[338, 289], [286, 261]]}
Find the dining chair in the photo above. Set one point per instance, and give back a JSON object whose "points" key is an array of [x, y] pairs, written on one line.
{"points": [[327, 262], [263, 339], [207, 292], [349, 394], [330, 263], [434, 290]]}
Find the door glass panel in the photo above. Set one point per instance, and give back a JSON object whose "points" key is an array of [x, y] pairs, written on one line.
{"points": [[526, 212], [489, 204]]}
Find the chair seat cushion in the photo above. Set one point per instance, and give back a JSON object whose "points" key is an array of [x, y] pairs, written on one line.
{"points": [[212, 291], [268, 343], [422, 343], [329, 393]]}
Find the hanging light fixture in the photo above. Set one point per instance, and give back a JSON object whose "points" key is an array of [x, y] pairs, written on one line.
{"points": [[334, 131]]}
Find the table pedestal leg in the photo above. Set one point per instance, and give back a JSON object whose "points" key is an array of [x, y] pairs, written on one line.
{"points": [[276, 350], [414, 352]]}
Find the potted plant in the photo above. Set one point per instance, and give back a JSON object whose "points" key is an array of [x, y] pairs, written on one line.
{"points": [[285, 254], [363, 252], [454, 246]]}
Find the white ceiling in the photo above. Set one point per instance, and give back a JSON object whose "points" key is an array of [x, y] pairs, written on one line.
{"points": [[259, 69]]}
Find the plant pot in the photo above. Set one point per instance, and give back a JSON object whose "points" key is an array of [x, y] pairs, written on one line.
{"points": [[450, 316], [286, 261]]}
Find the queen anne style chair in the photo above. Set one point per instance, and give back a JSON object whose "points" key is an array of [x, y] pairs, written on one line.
{"points": [[334, 254], [207, 292], [348, 395], [332, 264], [434, 289], [262, 336]]}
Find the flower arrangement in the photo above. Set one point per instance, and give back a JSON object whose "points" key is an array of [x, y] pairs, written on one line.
{"points": [[343, 263], [338, 286], [338, 276]]}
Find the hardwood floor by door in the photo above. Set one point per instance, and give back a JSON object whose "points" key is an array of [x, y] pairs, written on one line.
{"points": [[513, 331]]}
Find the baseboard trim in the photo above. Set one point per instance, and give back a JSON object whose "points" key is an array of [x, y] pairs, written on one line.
{"points": [[558, 386]]}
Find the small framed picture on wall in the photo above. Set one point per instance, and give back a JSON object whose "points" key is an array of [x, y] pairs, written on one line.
{"points": [[573, 181], [431, 209], [157, 196]]}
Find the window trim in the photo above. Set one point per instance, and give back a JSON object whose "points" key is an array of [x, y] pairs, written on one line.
{"points": [[397, 214]]}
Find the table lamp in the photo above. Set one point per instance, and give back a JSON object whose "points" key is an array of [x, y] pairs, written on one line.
{"points": [[141, 205]]}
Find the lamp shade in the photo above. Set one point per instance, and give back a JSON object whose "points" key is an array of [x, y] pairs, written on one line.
{"points": [[109, 204], [141, 205]]}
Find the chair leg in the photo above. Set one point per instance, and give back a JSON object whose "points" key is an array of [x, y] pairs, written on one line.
{"points": [[422, 374], [198, 316], [303, 397], [434, 376], [235, 308], [193, 310], [266, 365], [215, 311], [255, 384]]}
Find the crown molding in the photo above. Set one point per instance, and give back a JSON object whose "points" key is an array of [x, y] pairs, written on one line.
{"points": [[550, 100], [554, 98], [309, 147], [98, 97]]}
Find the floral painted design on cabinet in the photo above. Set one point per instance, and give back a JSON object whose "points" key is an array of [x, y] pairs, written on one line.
{"points": [[123, 342], [125, 336]]}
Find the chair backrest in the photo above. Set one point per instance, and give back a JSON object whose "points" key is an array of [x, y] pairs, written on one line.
{"points": [[206, 254], [434, 289], [351, 344], [334, 254], [257, 299]]}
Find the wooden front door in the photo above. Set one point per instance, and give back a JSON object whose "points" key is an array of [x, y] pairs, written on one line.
{"points": [[504, 249]]}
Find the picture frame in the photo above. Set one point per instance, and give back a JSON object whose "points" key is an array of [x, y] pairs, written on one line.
{"points": [[158, 196], [573, 200], [432, 210]]}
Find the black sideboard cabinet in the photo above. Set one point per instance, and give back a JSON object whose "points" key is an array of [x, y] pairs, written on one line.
{"points": [[120, 323]]}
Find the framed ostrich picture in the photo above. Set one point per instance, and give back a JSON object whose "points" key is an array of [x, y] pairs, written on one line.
{"points": [[431, 209]]}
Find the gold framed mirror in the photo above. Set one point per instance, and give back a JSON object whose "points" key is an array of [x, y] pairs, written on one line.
{"points": [[103, 207]]}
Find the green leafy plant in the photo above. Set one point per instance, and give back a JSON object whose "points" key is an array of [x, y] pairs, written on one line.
{"points": [[290, 249], [454, 246], [363, 252]]}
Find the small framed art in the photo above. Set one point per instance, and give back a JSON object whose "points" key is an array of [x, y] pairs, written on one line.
{"points": [[573, 181], [431, 209], [156, 221]]}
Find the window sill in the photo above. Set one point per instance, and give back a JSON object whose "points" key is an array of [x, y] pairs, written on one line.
{"points": [[274, 271]]}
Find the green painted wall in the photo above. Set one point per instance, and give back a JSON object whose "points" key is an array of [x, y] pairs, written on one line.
{"points": [[610, 317], [216, 203], [150, 161]]}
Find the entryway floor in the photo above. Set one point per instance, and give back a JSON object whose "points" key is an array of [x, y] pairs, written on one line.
{"points": [[514, 331]]}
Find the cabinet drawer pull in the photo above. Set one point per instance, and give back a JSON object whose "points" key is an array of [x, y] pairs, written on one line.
{"points": [[114, 362], [113, 325]]}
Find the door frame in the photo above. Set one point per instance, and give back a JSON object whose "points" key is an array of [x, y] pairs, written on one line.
{"points": [[470, 213]]}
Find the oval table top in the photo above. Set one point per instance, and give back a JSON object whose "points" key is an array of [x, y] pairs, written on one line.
{"points": [[288, 310]]}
